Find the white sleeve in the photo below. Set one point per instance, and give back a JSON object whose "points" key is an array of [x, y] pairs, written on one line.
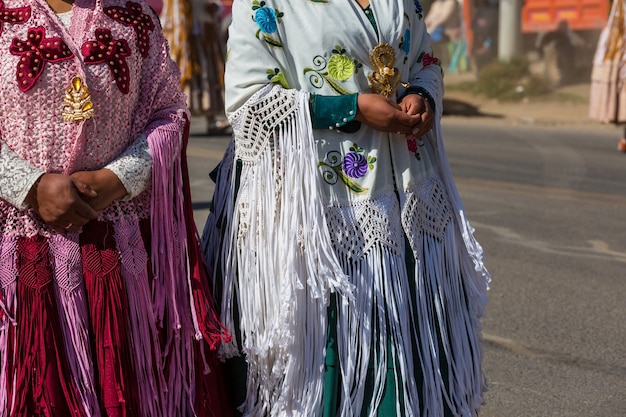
{"points": [[134, 167], [17, 177]]}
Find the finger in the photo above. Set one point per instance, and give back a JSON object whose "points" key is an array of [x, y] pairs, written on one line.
{"points": [[84, 188], [84, 211]]}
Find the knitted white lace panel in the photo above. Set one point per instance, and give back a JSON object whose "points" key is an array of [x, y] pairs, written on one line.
{"points": [[357, 227], [426, 209], [16, 177], [134, 167]]}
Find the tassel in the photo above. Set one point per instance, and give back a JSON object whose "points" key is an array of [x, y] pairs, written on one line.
{"points": [[42, 383], [109, 317]]}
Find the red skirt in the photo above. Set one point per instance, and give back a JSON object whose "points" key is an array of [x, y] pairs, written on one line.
{"points": [[39, 381]]}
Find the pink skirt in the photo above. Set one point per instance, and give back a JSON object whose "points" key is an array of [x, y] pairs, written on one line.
{"points": [[607, 97]]}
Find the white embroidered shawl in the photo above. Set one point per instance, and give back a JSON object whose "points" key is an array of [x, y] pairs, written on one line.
{"points": [[318, 211]]}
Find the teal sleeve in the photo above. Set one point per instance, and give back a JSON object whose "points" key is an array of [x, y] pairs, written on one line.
{"points": [[335, 112]]}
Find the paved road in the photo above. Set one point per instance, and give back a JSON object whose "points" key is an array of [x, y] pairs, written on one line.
{"points": [[549, 207]]}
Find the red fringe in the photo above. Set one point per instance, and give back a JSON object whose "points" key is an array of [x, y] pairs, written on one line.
{"points": [[108, 308], [208, 320], [43, 383], [212, 396]]}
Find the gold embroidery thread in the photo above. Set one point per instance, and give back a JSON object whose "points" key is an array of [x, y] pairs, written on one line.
{"points": [[77, 104]]}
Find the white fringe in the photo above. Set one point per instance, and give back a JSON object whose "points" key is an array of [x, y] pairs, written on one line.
{"points": [[278, 259], [282, 291]]}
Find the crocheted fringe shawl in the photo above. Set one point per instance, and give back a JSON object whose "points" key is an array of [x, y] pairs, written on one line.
{"points": [[178, 300], [278, 266]]}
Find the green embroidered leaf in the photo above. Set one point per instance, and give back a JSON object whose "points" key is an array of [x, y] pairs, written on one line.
{"points": [[356, 148], [272, 41], [259, 31], [371, 159], [280, 78], [319, 1], [335, 85]]}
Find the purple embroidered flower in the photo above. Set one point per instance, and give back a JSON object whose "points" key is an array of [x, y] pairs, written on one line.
{"points": [[265, 17], [355, 165]]}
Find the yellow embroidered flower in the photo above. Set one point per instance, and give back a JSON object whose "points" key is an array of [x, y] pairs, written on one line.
{"points": [[340, 67]]}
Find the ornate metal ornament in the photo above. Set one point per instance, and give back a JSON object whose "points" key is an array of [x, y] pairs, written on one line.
{"points": [[77, 105], [385, 78]]}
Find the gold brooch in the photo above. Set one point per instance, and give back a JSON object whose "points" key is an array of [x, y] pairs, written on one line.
{"points": [[385, 78], [77, 104]]}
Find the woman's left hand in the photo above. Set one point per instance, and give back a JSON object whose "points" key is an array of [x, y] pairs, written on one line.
{"points": [[415, 104], [105, 183]]}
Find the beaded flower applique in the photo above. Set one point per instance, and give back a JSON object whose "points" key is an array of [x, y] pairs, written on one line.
{"points": [[34, 53]]}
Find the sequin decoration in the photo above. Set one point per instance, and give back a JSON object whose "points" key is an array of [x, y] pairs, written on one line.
{"points": [[14, 16], [133, 15], [34, 53], [77, 105], [113, 52], [385, 78]]}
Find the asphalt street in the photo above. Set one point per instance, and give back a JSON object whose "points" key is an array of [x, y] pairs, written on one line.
{"points": [[548, 206]]}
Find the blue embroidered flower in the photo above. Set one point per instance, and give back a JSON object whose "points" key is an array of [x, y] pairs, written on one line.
{"points": [[406, 44], [418, 6], [265, 17], [355, 165]]}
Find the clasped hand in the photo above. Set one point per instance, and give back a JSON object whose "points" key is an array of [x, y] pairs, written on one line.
{"points": [[411, 116], [68, 202]]}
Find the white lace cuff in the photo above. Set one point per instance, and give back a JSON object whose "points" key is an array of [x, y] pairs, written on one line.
{"points": [[134, 167], [17, 177]]}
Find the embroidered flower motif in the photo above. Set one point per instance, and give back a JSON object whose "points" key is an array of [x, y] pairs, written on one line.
{"points": [[355, 165], [34, 52], [14, 16], [413, 144], [113, 52], [340, 67], [428, 60], [266, 19], [133, 15]]}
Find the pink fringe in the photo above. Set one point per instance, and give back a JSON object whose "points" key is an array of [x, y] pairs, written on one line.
{"points": [[171, 270], [143, 332], [73, 317]]}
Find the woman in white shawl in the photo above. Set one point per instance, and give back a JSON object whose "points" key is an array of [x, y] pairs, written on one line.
{"points": [[346, 266]]}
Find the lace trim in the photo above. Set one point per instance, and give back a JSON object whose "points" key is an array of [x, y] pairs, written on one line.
{"points": [[357, 227], [16, 177], [266, 110], [134, 167], [426, 209]]}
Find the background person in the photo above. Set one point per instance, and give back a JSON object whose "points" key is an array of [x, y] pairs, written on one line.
{"points": [[607, 95]]}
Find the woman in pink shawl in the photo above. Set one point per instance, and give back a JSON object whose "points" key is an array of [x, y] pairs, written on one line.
{"points": [[103, 308]]}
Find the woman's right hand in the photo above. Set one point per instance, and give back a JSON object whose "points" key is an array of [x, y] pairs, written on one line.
{"points": [[57, 199], [385, 115]]}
